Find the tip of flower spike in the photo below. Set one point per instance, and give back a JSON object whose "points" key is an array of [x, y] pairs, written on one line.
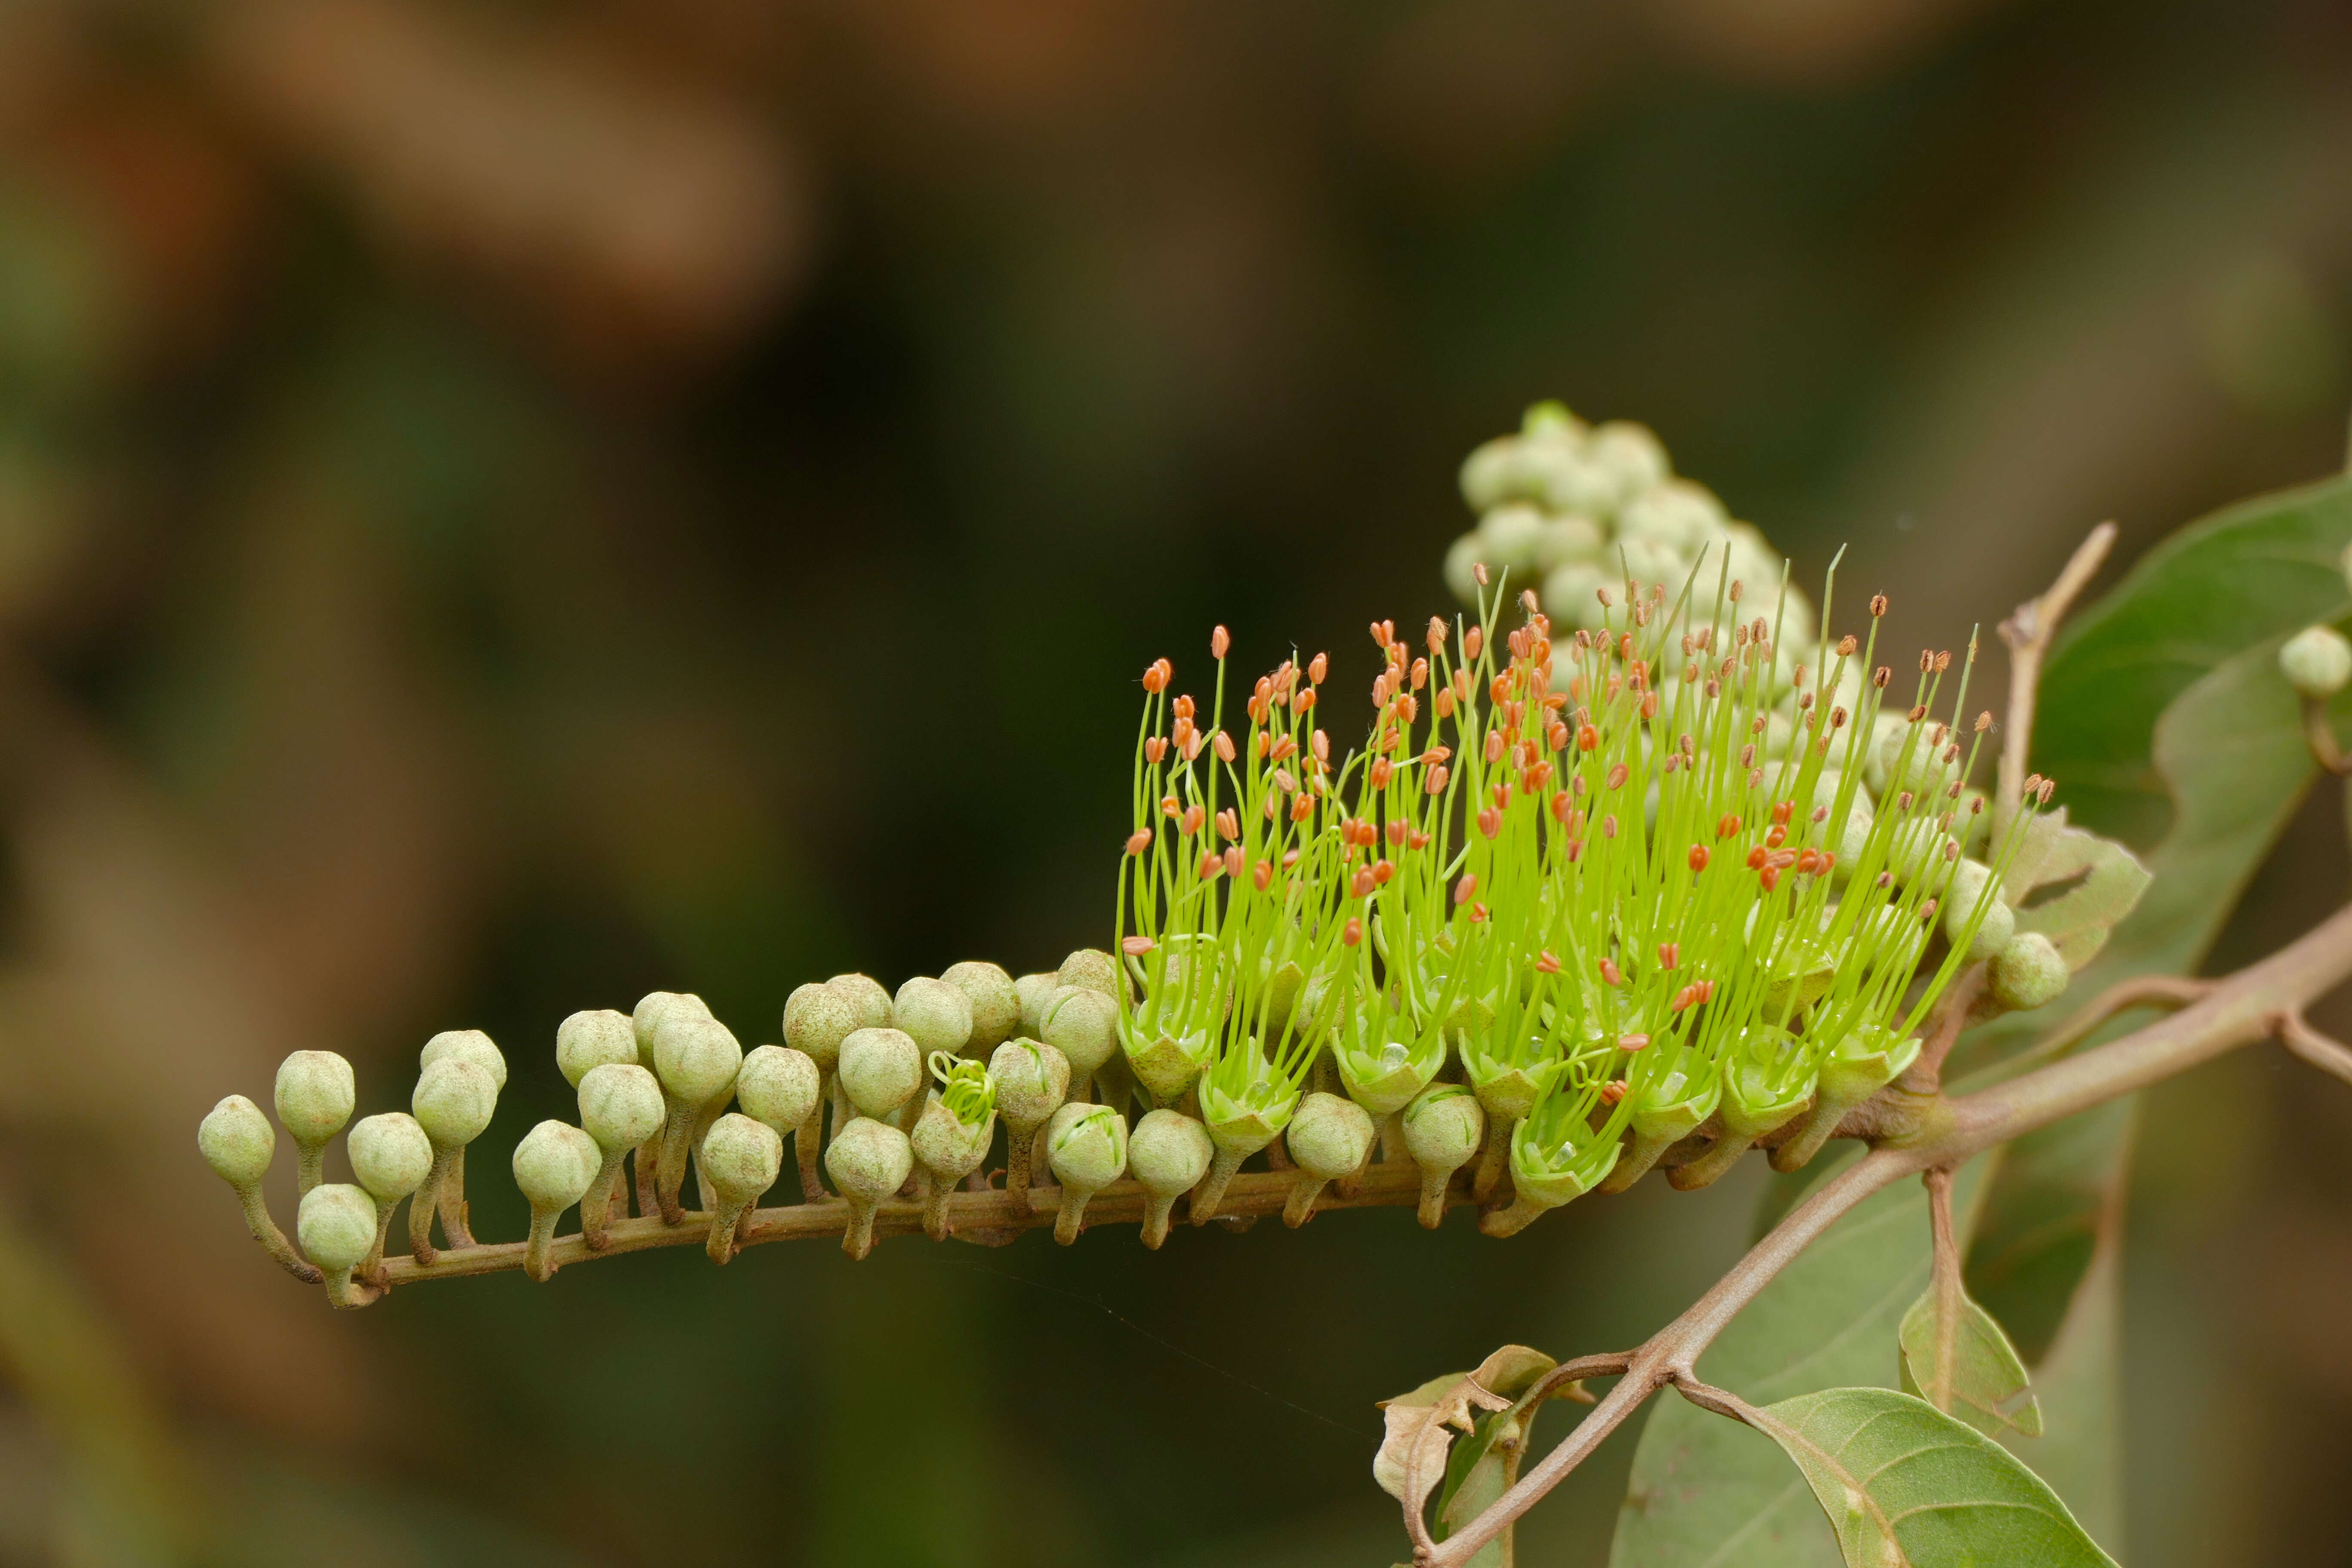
{"points": [[1613, 1091], [1632, 1042], [1219, 641], [1436, 633], [1139, 841], [1317, 668], [1877, 606], [1354, 932], [1135, 946], [1547, 963], [1157, 675]]}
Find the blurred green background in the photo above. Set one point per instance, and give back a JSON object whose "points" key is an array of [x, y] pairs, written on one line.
{"points": [[505, 508]]}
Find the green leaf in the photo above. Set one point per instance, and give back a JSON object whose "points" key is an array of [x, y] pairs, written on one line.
{"points": [[2250, 573], [1969, 1369], [1907, 1486], [2043, 1261], [2106, 882], [1703, 1491]]}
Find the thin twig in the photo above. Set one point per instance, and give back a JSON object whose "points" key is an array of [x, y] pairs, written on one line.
{"points": [[1944, 1275], [2320, 736], [2166, 991], [2029, 634], [2253, 1004], [2295, 1033]]}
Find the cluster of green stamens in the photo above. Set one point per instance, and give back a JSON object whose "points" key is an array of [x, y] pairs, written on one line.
{"points": [[1621, 886]]}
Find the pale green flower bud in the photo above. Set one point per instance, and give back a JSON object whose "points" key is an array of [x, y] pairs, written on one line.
{"points": [[696, 1058], [868, 1161], [867, 996], [1086, 1146], [1564, 480], [315, 1097], [741, 1159], [1092, 969], [995, 1003], [933, 1014], [1631, 453], [1929, 771], [1679, 514], [554, 1165], [1329, 1137], [1972, 819], [1461, 559], [880, 1070], [1168, 1153], [778, 1085], [2028, 973], [817, 1018], [1921, 850], [1491, 473], [621, 1108], [1507, 535], [1571, 593], [2316, 662], [1562, 540], [392, 1158], [1033, 989], [390, 1155], [337, 1225], [237, 1140], [1646, 561], [470, 1045], [1032, 1082], [1443, 1131], [453, 1101], [1082, 1022], [587, 1040], [1968, 885], [652, 1009]]}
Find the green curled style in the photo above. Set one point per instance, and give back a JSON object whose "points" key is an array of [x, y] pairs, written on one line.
{"points": [[966, 1088]]}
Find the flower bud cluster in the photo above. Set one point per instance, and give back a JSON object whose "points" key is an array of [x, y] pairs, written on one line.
{"points": [[1674, 883], [1573, 509]]}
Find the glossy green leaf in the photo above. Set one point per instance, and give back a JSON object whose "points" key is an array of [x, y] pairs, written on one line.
{"points": [[1906, 1486], [1704, 1491], [1969, 1368]]}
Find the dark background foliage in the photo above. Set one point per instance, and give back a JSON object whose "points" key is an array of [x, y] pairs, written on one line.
{"points": [[506, 508]]}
